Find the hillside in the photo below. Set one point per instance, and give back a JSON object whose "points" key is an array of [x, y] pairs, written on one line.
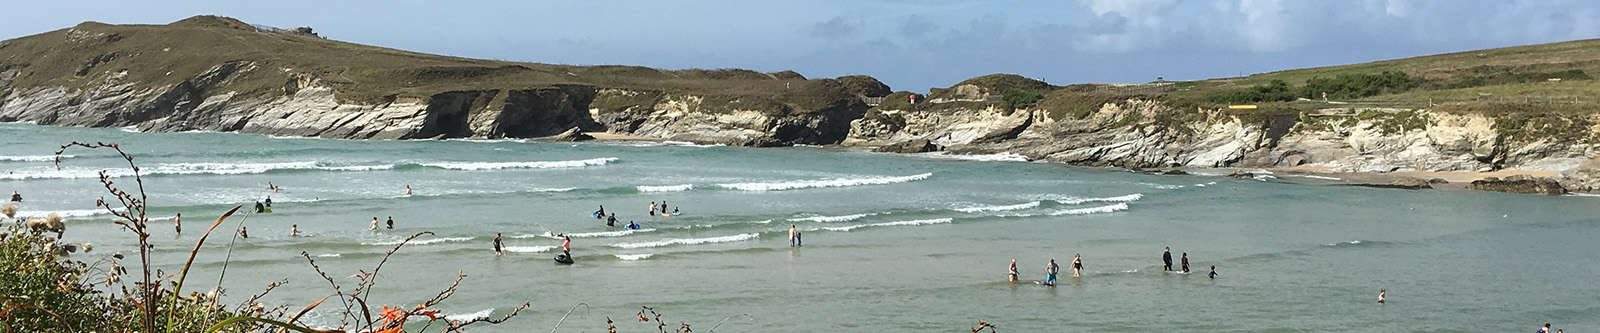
{"points": [[1527, 110]]}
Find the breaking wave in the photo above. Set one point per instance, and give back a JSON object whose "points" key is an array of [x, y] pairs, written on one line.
{"points": [[824, 183], [634, 257], [598, 234], [478, 166], [528, 249], [32, 158], [664, 188], [840, 218], [688, 241], [1121, 206], [1000, 208], [421, 242], [1077, 200], [891, 224]]}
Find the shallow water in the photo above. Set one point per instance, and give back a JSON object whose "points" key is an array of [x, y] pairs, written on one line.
{"points": [[894, 243]]}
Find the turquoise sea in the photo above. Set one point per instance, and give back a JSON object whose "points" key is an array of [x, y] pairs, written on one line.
{"points": [[893, 243]]}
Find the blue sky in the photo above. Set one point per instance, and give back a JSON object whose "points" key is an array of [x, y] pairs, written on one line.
{"points": [[911, 45]]}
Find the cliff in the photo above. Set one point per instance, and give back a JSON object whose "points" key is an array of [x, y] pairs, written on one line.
{"points": [[1520, 110]]}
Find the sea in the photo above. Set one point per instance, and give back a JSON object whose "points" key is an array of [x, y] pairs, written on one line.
{"points": [[891, 242]]}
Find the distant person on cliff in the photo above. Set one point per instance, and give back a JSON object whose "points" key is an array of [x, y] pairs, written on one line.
{"points": [[497, 251], [1077, 265], [1166, 259], [1011, 274], [390, 223], [1186, 262]]}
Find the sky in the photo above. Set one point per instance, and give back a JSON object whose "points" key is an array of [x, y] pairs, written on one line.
{"points": [[910, 45]]}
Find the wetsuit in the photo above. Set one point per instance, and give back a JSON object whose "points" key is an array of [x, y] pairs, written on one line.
{"points": [[1185, 263], [1166, 257], [497, 243], [611, 221], [269, 202], [15, 197], [260, 208], [390, 223]]}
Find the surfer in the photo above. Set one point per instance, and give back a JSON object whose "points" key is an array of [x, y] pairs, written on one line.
{"points": [[1166, 259], [269, 202], [497, 251], [177, 223], [1213, 276], [374, 226], [260, 208], [633, 225], [408, 190], [1050, 271], [1011, 274], [600, 214], [1383, 295], [1077, 265], [390, 223], [611, 221], [16, 197], [294, 230], [274, 188], [1186, 262]]}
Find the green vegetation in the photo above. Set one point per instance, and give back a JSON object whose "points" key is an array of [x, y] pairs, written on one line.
{"points": [[1021, 98], [1352, 86], [1274, 91]]}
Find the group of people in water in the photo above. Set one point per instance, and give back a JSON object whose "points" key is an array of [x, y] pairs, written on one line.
{"points": [[1052, 269]]}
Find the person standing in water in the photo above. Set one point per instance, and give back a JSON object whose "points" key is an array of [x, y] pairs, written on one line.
{"points": [[1011, 273], [177, 223], [1166, 259], [663, 207], [1383, 295], [652, 208], [1077, 265], [1213, 274], [1186, 263], [793, 232], [611, 221], [374, 226], [799, 238], [566, 245], [497, 251], [390, 223], [294, 230], [244, 232], [1050, 271], [260, 208], [408, 190], [269, 202]]}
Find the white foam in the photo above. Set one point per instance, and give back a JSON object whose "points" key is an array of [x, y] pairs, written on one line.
{"points": [[1092, 210], [421, 242], [129, 128], [1123, 198], [665, 188], [470, 316], [477, 166], [488, 140], [32, 158], [634, 257], [840, 218], [688, 241], [528, 249], [328, 255], [1318, 177], [597, 234], [1575, 194], [982, 209], [557, 189], [63, 213], [891, 224], [824, 183], [1000, 157], [690, 144], [196, 168]]}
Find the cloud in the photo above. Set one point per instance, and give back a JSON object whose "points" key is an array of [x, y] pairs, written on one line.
{"points": [[837, 27]]}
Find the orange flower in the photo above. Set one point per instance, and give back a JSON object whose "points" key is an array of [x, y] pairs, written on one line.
{"points": [[392, 314], [431, 313]]}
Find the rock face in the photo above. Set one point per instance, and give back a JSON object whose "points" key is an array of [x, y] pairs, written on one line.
{"points": [[1519, 184], [910, 147]]}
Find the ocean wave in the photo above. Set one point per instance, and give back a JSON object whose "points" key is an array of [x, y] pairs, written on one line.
{"points": [[1077, 200], [478, 166], [196, 168], [664, 188], [597, 234], [688, 241], [468, 316], [691, 144], [328, 255], [488, 140], [999, 208], [1121, 206], [32, 158], [63, 213], [553, 189], [830, 219], [634, 257], [824, 183], [1000, 157], [890, 224], [421, 242], [528, 249]]}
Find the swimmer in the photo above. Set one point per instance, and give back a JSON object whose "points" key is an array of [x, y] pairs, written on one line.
{"points": [[652, 208], [1383, 295], [1077, 265], [294, 230], [16, 197], [792, 234], [1011, 274], [600, 214], [566, 245], [408, 190], [390, 223], [374, 226], [611, 221], [1213, 274], [633, 225], [1186, 262]]}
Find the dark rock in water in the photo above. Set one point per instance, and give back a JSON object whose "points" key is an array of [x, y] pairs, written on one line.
{"points": [[572, 135], [1403, 183], [1438, 181], [1170, 172], [1519, 184], [910, 147]]}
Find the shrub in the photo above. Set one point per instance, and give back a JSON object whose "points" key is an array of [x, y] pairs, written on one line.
{"points": [[1017, 98], [1352, 86]]}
